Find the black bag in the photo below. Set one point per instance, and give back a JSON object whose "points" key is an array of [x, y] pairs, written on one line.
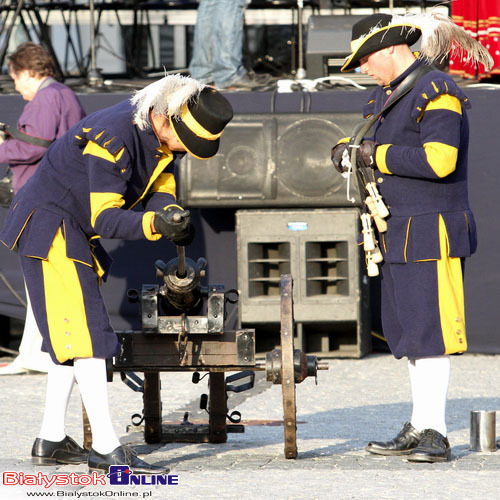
{"points": [[6, 191]]}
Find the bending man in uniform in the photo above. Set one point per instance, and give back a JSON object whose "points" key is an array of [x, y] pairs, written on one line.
{"points": [[84, 189], [419, 156]]}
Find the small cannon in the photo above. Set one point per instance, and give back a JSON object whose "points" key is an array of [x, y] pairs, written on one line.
{"points": [[176, 336]]}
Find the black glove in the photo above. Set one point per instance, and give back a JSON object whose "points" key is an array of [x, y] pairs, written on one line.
{"points": [[366, 154], [337, 153], [175, 224]]}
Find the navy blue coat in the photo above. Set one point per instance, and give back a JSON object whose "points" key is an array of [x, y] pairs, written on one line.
{"points": [[422, 168], [89, 180]]}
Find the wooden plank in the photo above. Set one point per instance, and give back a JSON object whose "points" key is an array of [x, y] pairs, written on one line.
{"points": [[287, 368], [143, 350]]}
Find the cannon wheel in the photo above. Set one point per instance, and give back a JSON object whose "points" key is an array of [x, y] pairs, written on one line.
{"points": [[287, 367]]}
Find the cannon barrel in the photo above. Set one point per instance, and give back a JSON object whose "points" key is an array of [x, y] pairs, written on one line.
{"points": [[182, 280]]}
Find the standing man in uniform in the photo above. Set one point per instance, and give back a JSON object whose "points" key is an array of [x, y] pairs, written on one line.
{"points": [[85, 189], [419, 156]]}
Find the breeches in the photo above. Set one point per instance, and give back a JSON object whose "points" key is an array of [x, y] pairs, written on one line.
{"points": [[68, 305], [423, 308]]}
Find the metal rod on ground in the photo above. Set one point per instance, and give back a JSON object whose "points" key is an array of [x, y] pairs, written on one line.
{"points": [[9, 351]]}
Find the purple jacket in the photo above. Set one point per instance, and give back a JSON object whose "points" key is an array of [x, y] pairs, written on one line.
{"points": [[54, 110]]}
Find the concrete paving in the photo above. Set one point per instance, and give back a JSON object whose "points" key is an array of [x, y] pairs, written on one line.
{"points": [[355, 401]]}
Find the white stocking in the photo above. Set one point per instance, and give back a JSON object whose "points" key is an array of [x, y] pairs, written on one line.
{"points": [[90, 373], [429, 386], [60, 380], [31, 356]]}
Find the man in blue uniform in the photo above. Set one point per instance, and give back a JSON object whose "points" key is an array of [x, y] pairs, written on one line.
{"points": [[418, 154], [85, 189]]}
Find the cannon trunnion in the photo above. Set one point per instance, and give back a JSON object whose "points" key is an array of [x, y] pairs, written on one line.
{"points": [[176, 337]]}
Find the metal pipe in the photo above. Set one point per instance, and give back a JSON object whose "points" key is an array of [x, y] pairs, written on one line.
{"points": [[181, 252], [94, 77], [260, 365], [92, 36], [301, 72], [181, 262]]}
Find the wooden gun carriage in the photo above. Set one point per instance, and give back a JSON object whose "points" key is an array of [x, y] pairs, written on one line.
{"points": [[194, 342]]}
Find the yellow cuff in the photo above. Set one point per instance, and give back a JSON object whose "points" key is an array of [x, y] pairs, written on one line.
{"points": [[146, 227], [380, 158]]}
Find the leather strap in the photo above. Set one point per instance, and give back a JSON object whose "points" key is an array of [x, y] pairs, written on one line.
{"points": [[31, 139], [404, 87]]}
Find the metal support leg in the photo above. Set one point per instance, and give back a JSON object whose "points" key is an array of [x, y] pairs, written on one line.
{"points": [[152, 407], [218, 408]]}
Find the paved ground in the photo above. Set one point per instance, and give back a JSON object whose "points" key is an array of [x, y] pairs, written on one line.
{"points": [[355, 401]]}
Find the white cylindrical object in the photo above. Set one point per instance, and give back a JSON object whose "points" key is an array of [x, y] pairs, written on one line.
{"points": [[376, 255], [381, 208], [371, 267], [366, 229], [483, 430]]}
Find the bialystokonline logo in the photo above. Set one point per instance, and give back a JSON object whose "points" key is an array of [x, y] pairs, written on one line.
{"points": [[121, 474], [118, 475]]}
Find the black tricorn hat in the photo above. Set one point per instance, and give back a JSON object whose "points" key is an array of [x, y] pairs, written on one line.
{"points": [[201, 121], [376, 32]]}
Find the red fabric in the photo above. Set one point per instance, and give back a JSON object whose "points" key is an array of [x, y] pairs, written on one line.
{"points": [[481, 19]]}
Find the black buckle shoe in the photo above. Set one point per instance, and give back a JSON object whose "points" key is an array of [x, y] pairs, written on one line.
{"points": [[407, 439], [123, 455], [46, 452], [433, 447]]}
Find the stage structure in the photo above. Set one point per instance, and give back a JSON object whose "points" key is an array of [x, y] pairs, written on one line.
{"points": [[130, 37], [125, 28]]}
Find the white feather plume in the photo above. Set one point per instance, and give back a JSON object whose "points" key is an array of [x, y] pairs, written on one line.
{"points": [[441, 36], [164, 97]]}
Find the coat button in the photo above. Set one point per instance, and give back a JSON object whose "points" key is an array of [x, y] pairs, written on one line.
{"points": [[67, 333], [380, 180], [388, 91], [68, 347]]}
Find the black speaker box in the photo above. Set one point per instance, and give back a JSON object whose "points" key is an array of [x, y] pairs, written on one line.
{"points": [[271, 160], [328, 43]]}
